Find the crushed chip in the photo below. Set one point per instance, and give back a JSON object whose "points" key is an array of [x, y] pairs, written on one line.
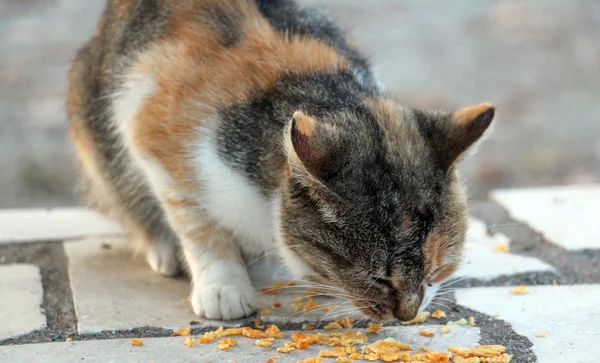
{"points": [[420, 318], [225, 344], [462, 321], [501, 247], [189, 341], [69, 340], [331, 354], [327, 308], [308, 327], [374, 328], [445, 329], [542, 334], [478, 351], [345, 322], [503, 358], [257, 324], [137, 342], [285, 349], [274, 332], [312, 360], [332, 326], [344, 360], [182, 332], [520, 290], [310, 305], [426, 333], [265, 311], [276, 304], [472, 321], [438, 314], [264, 343]]}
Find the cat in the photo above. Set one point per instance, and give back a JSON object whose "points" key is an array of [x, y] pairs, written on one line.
{"points": [[209, 128]]}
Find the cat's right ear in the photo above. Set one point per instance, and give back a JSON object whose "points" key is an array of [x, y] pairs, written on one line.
{"points": [[313, 143]]}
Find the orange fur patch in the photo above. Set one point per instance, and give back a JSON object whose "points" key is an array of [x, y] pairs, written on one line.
{"points": [[195, 74]]}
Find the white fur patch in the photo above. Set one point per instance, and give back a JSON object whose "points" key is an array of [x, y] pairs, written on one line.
{"points": [[233, 201], [127, 101], [428, 296]]}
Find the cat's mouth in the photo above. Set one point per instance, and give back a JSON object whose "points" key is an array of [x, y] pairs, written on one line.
{"points": [[376, 312]]}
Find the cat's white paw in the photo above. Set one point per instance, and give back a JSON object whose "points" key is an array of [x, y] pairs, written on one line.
{"points": [[162, 258], [223, 300]]}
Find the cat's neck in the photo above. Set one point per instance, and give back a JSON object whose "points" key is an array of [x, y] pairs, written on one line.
{"points": [[251, 134]]}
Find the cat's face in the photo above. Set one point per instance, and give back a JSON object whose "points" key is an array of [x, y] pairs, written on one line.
{"points": [[374, 208]]}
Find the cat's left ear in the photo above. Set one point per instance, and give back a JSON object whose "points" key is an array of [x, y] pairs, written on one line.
{"points": [[314, 144], [459, 131]]}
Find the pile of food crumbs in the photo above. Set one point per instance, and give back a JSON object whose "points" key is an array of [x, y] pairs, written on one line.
{"points": [[349, 346]]}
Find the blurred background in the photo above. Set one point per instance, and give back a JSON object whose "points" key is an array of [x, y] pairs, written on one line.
{"points": [[538, 61]]}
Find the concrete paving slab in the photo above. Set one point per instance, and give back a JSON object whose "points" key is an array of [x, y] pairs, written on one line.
{"points": [[483, 261], [570, 315], [26, 225], [166, 350], [112, 290], [21, 297], [566, 216]]}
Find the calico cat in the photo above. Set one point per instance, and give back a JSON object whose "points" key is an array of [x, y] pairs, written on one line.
{"points": [[213, 127]]}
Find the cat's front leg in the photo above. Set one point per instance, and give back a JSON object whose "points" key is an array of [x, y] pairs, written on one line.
{"points": [[221, 287]]}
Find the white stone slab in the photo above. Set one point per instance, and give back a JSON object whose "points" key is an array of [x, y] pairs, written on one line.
{"points": [[21, 296], [569, 314], [25, 225], [112, 290], [173, 350], [567, 216], [482, 262]]}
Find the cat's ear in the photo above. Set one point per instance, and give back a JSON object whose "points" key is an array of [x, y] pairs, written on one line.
{"points": [[460, 131], [313, 143]]}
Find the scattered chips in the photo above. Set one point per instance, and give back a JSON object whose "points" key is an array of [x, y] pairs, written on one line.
{"points": [[225, 344]]}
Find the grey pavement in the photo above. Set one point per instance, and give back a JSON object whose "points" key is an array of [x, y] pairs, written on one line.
{"points": [[91, 288]]}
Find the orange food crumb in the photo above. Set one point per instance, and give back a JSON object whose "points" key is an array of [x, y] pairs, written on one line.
{"points": [[327, 308], [257, 324], [310, 305], [501, 247], [274, 332], [420, 318], [264, 343], [331, 354], [285, 349], [308, 327], [69, 340], [265, 312], [276, 304], [438, 314], [426, 333], [345, 322], [332, 326], [520, 290], [225, 344], [374, 328], [253, 333], [137, 342], [182, 332], [312, 360], [189, 341]]}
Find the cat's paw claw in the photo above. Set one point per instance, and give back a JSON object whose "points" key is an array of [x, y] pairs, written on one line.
{"points": [[223, 301], [163, 259]]}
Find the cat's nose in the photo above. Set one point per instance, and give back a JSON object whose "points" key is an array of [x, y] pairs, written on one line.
{"points": [[405, 313]]}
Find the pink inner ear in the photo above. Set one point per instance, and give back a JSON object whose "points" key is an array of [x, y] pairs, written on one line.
{"points": [[310, 144]]}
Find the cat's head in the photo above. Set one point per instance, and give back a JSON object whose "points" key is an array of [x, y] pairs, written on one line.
{"points": [[372, 205]]}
